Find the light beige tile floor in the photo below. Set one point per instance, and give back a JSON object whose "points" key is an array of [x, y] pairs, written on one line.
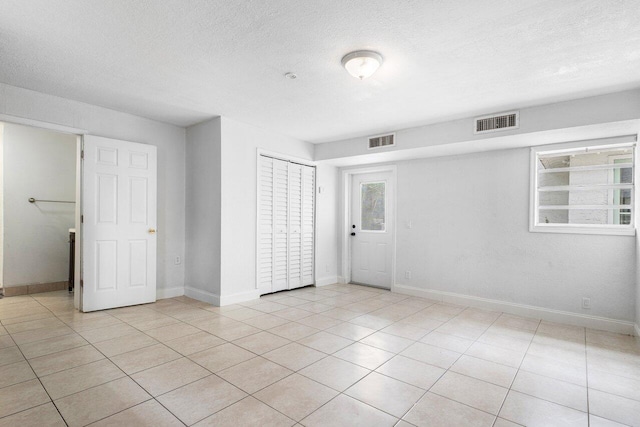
{"points": [[340, 355]]}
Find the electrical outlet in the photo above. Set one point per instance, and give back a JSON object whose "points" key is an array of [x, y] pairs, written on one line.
{"points": [[586, 303], [407, 274], [178, 260]]}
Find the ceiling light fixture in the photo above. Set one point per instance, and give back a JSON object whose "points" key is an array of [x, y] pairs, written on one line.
{"points": [[362, 63]]}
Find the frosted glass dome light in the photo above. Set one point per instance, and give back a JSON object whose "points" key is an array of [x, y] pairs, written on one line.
{"points": [[362, 64]]}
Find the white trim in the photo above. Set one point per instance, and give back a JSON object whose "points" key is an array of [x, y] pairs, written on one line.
{"points": [[345, 242], [201, 295], [78, 289], [583, 229], [217, 300], [285, 157], [637, 330], [164, 293], [40, 124], [2, 167], [587, 145], [612, 194], [566, 317], [324, 281], [239, 297]]}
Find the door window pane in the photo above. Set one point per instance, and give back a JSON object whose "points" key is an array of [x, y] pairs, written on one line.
{"points": [[372, 206]]}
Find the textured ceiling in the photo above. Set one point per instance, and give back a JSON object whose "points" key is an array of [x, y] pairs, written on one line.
{"points": [[184, 61]]}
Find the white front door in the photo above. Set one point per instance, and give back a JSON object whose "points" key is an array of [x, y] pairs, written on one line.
{"points": [[371, 229], [119, 185]]}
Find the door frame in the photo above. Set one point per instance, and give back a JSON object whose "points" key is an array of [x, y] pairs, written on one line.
{"points": [[286, 158], [345, 241], [79, 133]]}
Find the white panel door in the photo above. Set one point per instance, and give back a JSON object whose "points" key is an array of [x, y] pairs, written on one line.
{"points": [[371, 229], [119, 198]]}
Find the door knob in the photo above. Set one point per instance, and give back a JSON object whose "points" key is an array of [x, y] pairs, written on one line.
{"points": [[152, 231], [353, 234]]}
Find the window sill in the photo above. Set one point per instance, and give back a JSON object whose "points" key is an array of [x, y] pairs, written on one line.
{"points": [[564, 229]]}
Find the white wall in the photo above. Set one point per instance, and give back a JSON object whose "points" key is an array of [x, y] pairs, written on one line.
{"points": [[221, 208], [202, 259], [580, 119], [240, 142], [39, 164], [637, 301], [169, 139], [327, 225], [1, 206], [637, 296], [636, 220], [470, 236]]}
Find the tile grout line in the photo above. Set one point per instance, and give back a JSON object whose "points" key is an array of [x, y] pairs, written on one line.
{"points": [[449, 368], [396, 354], [586, 369], [517, 371], [88, 388], [214, 374], [325, 355], [311, 379], [36, 375], [151, 397]]}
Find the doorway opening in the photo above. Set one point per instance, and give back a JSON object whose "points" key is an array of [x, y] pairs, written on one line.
{"points": [[39, 178], [368, 230]]}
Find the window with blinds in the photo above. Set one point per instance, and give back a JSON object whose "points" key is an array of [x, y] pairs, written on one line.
{"points": [[588, 189], [286, 215]]}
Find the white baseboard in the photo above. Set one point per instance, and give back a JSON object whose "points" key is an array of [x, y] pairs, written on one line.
{"points": [[169, 292], [637, 329], [201, 295], [240, 297], [218, 300], [576, 319], [331, 280]]}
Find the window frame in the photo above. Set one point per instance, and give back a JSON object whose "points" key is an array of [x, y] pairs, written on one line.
{"points": [[613, 216], [569, 148]]}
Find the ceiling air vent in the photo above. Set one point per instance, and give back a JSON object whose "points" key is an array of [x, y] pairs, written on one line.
{"points": [[502, 121], [382, 141]]}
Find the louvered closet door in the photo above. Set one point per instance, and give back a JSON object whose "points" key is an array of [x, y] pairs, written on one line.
{"points": [[285, 225], [280, 225], [295, 225], [308, 218], [265, 225]]}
